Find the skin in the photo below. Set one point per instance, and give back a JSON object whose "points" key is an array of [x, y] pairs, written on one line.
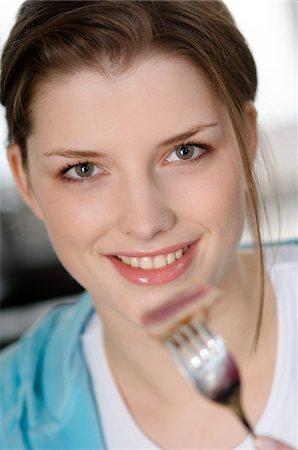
{"points": [[268, 443], [143, 199]]}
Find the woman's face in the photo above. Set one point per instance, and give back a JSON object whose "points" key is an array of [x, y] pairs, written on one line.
{"points": [[142, 166]]}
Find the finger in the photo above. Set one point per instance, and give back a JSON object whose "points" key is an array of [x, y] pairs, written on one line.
{"points": [[267, 443]]}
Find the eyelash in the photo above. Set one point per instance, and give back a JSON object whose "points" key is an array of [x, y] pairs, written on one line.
{"points": [[199, 144], [66, 167]]}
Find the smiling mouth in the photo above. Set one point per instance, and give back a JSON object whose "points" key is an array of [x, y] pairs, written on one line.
{"points": [[154, 269], [153, 262]]}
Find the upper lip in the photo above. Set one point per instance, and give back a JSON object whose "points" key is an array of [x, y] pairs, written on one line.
{"points": [[161, 251]]}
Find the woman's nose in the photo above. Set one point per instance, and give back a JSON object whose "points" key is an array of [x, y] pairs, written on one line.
{"points": [[144, 212]]}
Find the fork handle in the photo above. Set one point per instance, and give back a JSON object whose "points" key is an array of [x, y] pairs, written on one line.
{"points": [[232, 401], [247, 424]]}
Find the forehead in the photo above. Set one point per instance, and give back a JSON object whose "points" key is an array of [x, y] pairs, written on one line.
{"points": [[155, 94]]}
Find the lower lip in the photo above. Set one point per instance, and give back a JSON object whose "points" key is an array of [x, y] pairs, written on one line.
{"points": [[150, 277]]}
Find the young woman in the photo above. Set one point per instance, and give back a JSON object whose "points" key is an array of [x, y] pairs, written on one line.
{"points": [[133, 137]]}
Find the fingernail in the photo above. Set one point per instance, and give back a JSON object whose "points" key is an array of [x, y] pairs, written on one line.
{"points": [[264, 443]]}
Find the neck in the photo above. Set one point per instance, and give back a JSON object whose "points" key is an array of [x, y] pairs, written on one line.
{"points": [[235, 314]]}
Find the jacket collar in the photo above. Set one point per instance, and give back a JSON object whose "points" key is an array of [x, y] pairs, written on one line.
{"points": [[59, 409]]}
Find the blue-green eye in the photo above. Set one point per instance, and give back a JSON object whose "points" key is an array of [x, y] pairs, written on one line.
{"points": [[84, 170], [81, 171], [186, 152]]}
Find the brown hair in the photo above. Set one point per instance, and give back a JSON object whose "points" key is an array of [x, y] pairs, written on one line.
{"points": [[52, 37]]}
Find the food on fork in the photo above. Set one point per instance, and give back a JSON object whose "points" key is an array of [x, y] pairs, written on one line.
{"points": [[165, 319]]}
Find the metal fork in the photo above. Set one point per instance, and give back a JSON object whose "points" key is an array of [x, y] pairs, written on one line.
{"points": [[205, 360]]}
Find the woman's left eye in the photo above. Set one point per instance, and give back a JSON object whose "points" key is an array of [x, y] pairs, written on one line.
{"points": [[186, 152], [81, 171]]}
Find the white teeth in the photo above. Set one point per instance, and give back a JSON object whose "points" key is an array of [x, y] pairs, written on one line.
{"points": [[159, 261], [125, 259], [134, 262], [171, 258], [146, 263], [155, 262], [179, 253]]}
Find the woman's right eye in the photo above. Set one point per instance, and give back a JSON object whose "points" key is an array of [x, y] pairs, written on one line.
{"points": [[81, 171]]}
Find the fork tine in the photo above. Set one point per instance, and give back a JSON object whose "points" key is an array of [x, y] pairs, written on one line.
{"points": [[185, 343], [188, 348], [206, 337], [199, 346], [186, 359], [181, 355]]}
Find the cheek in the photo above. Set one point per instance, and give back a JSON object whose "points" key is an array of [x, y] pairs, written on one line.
{"points": [[215, 199], [74, 217], [74, 223], [229, 201]]}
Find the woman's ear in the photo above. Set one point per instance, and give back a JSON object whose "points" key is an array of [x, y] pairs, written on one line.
{"points": [[21, 176], [251, 128]]}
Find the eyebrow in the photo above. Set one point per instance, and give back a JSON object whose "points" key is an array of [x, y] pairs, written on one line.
{"points": [[187, 134], [72, 153]]}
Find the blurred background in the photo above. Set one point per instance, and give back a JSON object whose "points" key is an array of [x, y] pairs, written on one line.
{"points": [[32, 279]]}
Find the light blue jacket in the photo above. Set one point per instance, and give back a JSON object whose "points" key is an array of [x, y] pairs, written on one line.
{"points": [[45, 390]]}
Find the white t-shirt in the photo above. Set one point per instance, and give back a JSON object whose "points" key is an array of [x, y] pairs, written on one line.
{"points": [[279, 418]]}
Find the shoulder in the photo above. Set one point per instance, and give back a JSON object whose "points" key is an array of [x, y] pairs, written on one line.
{"points": [[23, 364], [282, 254], [281, 261], [279, 256], [63, 319]]}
